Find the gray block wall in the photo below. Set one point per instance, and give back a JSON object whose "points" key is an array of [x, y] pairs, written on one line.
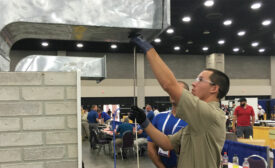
{"points": [[38, 120]]}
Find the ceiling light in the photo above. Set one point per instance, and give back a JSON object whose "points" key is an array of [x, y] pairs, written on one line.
{"points": [[186, 50], [227, 22], [177, 48], [186, 19], [209, 3], [241, 33], [261, 50], [157, 40], [236, 49], [205, 48], [256, 5], [189, 42], [206, 32], [79, 45], [113, 46], [254, 44], [45, 44], [170, 31], [266, 22], [221, 42]]}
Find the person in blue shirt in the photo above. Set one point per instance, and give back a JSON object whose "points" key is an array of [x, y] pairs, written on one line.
{"points": [[141, 141], [168, 124], [122, 128], [149, 112], [93, 122], [106, 117]]}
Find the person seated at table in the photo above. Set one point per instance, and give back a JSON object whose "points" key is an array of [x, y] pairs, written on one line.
{"points": [[125, 126], [142, 139]]}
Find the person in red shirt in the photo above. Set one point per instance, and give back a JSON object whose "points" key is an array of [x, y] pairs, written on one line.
{"points": [[242, 114]]}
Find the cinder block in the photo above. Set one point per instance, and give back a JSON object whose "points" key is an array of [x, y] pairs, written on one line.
{"points": [[24, 165], [10, 155], [72, 151], [43, 123], [62, 164], [9, 124], [43, 93], [20, 78], [9, 93], [20, 139], [61, 137], [42, 153], [72, 121], [71, 92], [60, 78], [20, 109], [60, 108]]}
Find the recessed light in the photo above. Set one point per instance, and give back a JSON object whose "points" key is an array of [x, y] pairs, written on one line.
{"points": [[79, 45], [266, 22], [205, 48], [241, 33], [177, 48], [256, 5], [206, 32], [170, 31], [190, 42], [254, 44], [209, 3], [157, 40], [227, 22], [236, 49], [113, 46], [45, 44], [186, 50], [221, 42], [186, 19], [261, 50]]}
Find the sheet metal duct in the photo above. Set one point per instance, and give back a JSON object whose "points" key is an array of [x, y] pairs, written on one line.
{"points": [[90, 67], [87, 20]]}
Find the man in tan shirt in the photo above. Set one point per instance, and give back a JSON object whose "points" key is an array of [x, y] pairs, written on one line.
{"points": [[201, 142]]}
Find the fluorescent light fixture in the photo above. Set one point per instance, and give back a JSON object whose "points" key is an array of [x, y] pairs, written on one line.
{"points": [[256, 5], [206, 32], [79, 45], [205, 48], [209, 3], [186, 19], [190, 42], [170, 31], [45, 44], [157, 40], [236, 49], [261, 50], [227, 22], [113, 46], [241, 33], [221, 42], [255, 44], [266, 22], [177, 48]]}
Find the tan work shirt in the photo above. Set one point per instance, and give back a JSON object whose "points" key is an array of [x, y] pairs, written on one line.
{"points": [[202, 140]]}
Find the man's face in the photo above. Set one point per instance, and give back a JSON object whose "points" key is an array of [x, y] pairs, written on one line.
{"points": [[148, 108], [243, 103], [202, 88]]}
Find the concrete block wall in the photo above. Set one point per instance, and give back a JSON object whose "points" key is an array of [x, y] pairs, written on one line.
{"points": [[38, 120]]}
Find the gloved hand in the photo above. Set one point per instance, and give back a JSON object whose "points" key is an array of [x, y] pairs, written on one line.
{"points": [[139, 115], [144, 45]]}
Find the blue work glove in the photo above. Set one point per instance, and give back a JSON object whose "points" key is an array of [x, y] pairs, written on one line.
{"points": [[144, 45], [139, 115]]}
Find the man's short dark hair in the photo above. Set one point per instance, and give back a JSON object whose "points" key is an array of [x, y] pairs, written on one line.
{"points": [[186, 86], [221, 79]]}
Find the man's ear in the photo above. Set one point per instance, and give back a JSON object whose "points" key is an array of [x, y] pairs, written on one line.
{"points": [[214, 89]]}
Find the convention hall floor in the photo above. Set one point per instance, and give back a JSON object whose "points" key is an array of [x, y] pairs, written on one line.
{"points": [[94, 160]]}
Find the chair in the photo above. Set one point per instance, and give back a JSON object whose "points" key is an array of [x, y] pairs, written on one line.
{"points": [[256, 161], [127, 143], [101, 140]]}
